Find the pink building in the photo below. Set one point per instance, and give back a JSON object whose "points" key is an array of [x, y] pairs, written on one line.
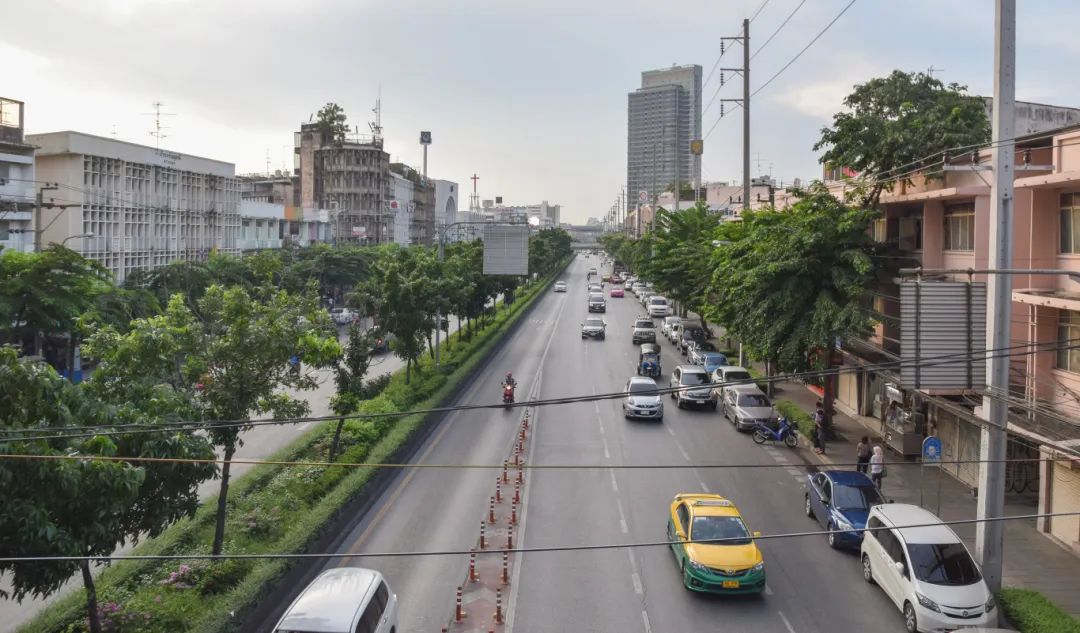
{"points": [[944, 223]]}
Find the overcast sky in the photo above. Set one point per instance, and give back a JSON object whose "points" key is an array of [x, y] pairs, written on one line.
{"points": [[531, 96]]}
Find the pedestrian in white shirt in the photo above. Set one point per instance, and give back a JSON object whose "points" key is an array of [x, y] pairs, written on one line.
{"points": [[877, 466]]}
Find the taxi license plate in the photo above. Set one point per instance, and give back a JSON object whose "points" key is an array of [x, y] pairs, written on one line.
{"points": [[731, 584]]}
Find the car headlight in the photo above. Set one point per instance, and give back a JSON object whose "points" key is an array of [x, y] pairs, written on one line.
{"points": [[757, 568], [698, 566], [990, 604], [843, 524], [927, 602]]}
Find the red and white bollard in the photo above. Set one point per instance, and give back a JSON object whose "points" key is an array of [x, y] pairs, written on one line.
{"points": [[510, 537], [482, 528], [521, 476], [491, 511], [459, 613], [473, 576], [517, 493], [506, 568], [513, 515], [498, 491], [498, 607], [505, 477]]}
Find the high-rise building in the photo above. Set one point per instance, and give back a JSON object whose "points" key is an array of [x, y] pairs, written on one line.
{"points": [[664, 115], [17, 186]]}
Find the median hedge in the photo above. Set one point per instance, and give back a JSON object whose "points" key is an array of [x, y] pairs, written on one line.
{"points": [[273, 508], [1032, 612]]}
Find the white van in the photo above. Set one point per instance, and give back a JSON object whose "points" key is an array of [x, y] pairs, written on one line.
{"points": [[658, 306], [343, 600], [926, 571]]}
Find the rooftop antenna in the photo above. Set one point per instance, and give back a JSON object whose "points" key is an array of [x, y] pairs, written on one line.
{"points": [[113, 130], [376, 126], [931, 70], [268, 172], [158, 127]]}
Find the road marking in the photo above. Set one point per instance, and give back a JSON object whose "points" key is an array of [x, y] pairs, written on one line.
{"points": [[790, 628], [704, 487], [638, 589], [625, 529], [645, 619], [794, 472], [682, 450], [607, 453], [668, 429], [614, 484], [511, 601], [768, 590]]}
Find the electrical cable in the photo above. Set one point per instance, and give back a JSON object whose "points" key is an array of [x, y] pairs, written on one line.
{"points": [[779, 28], [524, 550], [928, 361], [805, 48]]}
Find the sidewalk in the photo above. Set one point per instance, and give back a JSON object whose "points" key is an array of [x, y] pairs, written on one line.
{"points": [[1032, 561]]}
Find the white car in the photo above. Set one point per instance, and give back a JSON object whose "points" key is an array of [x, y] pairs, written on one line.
{"points": [[658, 306], [342, 316], [560, 286], [669, 322], [343, 600], [926, 571]]}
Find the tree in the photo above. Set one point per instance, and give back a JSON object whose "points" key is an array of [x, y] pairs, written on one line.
{"points": [[795, 281], [83, 507], [349, 379], [679, 261], [893, 123], [331, 122], [227, 362]]}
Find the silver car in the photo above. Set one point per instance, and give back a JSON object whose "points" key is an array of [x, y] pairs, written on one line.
{"points": [[343, 600], [694, 382], [642, 400], [746, 406]]}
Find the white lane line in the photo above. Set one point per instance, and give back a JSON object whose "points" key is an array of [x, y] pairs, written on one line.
{"points": [[622, 517], [794, 472], [648, 627], [623, 527], [614, 484], [790, 628], [638, 589], [682, 450], [668, 429], [607, 453], [704, 486], [779, 459], [768, 590]]}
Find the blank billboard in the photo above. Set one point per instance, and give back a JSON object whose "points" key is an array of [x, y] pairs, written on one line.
{"points": [[943, 334], [506, 250]]}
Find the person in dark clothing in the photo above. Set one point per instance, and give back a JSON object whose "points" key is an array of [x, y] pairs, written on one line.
{"points": [[862, 454], [819, 429]]}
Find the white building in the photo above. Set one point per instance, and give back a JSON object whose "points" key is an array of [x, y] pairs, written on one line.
{"points": [[401, 194], [131, 206], [17, 186], [262, 225], [446, 202]]}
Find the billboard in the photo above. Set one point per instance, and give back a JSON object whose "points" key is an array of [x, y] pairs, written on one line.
{"points": [[506, 250], [943, 334]]}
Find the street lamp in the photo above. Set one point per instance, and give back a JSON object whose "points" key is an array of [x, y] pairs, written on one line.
{"points": [[71, 237]]}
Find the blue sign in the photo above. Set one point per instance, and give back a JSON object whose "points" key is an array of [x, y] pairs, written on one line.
{"points": [[931, 449]]}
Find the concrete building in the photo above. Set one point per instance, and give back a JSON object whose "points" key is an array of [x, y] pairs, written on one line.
{"points": [[1033, 118], [351, 178], [664, 115], [17, 186], [262, 225], [131, 206], [412, 206], [944, 223], [447, 194]]}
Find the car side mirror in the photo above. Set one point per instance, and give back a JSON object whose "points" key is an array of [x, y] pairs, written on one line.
{"points": [[899, 567]]}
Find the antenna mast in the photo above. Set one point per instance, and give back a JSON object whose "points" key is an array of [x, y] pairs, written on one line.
{"points": [[376, 126], [158, 127]]}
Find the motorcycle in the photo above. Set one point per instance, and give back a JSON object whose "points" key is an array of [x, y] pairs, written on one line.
{"points": [[785, 432], [508, 395]]}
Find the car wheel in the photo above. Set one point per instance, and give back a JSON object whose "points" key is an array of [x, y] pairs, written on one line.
{"points": [[809, 508], [712, 405], [867, 571], [832, 535], [679, 403], [911, 623]]}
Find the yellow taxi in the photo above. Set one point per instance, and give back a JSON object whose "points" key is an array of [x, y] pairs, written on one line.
{"points": [[731, 563]]}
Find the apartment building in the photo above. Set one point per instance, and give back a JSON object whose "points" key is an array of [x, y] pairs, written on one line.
{"points": [[17, 186], [944, 224], [663, 116], [131, 206], [412, 206]]}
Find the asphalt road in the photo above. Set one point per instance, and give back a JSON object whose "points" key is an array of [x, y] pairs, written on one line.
{"points": [[810, 587]]}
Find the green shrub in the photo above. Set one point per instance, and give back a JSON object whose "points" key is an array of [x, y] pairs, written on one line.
{"points": [[1032, 612], [795, 414]]}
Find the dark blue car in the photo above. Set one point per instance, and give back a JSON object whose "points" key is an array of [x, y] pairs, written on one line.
{"points": [[840, 500]]}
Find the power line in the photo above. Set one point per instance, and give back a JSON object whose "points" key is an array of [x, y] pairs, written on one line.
{"points": [[756, 13], [522, 550], [779, 28], [1025, 349], [805, 48]]}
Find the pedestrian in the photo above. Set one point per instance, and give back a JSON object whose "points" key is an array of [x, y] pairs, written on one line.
{"points": [[877, 466], [862, 454], [819, 429]]}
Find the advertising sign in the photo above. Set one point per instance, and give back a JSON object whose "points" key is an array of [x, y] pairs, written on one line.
{"points": [[506, 250]]}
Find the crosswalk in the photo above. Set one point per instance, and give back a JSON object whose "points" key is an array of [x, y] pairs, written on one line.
{"points": [[778, 456]]}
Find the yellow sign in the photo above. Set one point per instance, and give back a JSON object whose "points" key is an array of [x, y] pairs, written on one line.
{"points": [[697, 146]]}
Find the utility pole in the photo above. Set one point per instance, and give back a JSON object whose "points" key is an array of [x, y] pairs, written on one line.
{"points": [[39, 202], [746, 114], [989, 535]]}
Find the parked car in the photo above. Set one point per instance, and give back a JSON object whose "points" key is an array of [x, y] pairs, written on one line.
{"points": [[746, 406], [380, 340], [658, 306], [666, 325], [712, 361], [642, 399], [594, 327], [343, 316], [734, 565], [343, 600], [927, 572], [597, 302], [644, 297], [616, 279], [644, 331], [727, 374], [840, 500], [695, 351], [695, 383], [617, 293], [560, 286], [690, 333], [593, 289]]}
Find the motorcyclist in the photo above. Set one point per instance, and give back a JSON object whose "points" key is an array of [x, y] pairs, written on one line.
{"points": [[509, 380]]}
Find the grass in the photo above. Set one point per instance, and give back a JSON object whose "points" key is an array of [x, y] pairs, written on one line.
{"points": [[275, 508], [795, 413], [1032, 612]]}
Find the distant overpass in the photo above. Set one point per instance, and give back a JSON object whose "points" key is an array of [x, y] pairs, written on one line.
{"points": [[585, 237]]}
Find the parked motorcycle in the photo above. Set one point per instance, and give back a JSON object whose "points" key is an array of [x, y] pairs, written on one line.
{"points": [[784, 432]]}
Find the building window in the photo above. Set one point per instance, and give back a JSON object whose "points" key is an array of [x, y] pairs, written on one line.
{"points": [[1068, 336], [1070, 223], [960, 227], [879, 230]]}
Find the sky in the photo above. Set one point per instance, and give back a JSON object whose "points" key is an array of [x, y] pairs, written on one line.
{"points": [[530, 96]]}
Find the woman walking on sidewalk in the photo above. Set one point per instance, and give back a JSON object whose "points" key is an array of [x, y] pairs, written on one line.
{"points": [[862, 454], [877, 466]]}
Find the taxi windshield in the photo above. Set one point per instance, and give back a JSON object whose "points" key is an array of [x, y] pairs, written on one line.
{"points": [[731, 529]]}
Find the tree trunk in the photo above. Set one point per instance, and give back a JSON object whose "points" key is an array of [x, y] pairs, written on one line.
{"points": [[223, 497], [408, 370], [431, 347], [337, 438], [768, 375], [91, 598], [828, 386]]}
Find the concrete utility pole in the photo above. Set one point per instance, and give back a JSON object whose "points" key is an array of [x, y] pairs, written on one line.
{"points": [[989, 536], [39, 202], [746, 115]]}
